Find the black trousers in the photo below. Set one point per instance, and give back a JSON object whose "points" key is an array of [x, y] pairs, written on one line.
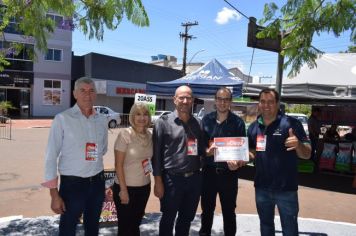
{"points": [[179, 203], [129, 215], [224, 183]]}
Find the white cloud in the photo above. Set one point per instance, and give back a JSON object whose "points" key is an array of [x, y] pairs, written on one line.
{"points": [[225, 15]]}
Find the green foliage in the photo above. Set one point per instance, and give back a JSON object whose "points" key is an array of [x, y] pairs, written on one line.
{"points": [[301, 20], [89, 16], [5, 106], [299, 108], [351, 49]]}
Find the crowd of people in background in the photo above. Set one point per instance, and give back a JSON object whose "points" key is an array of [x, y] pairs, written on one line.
{"points": [[180, 155]]}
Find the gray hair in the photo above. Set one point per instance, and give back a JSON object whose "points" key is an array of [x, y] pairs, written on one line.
{"points": [[83, 80]]}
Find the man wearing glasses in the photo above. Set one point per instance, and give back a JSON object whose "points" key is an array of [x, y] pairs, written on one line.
{"points": [[177, 150], [220, 177]]}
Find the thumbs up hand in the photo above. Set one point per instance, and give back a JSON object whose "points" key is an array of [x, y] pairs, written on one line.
{"points": [[292, 141]]}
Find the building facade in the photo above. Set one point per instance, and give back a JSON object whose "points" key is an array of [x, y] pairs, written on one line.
{"points": [[171, 62], [117, 79], [37, 86]]}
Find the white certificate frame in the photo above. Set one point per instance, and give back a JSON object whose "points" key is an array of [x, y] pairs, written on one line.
{"points": [[231, 149]]}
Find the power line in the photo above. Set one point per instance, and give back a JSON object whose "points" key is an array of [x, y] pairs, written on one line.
{"points": [[237, 9], [253, 52]]}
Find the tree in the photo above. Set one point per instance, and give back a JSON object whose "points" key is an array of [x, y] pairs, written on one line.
{"points": [[351, 49], [89, 16], [300, 20], [299, 108]]}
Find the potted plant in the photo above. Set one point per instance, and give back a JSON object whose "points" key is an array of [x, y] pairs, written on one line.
{"points": [[5, 106]]}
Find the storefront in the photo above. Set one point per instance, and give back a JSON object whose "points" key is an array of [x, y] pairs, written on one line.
{"points": [[15, 86], [336, 144], [117, 80]]}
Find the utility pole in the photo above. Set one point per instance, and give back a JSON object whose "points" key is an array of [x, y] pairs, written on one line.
{"points": [[280, 69], [269, 44], [186, 36]]}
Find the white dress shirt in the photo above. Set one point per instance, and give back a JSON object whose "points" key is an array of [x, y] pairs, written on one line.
{"points": [[66, 150]]}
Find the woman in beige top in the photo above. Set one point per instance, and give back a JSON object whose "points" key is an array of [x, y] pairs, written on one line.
{"points": [[133, 152]]}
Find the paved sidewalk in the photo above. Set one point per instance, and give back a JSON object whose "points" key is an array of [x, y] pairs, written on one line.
{"points": [[247, 225], [31, 123]]}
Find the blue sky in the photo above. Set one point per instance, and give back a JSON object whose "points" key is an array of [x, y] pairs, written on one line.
{"points": [[221, 34]]}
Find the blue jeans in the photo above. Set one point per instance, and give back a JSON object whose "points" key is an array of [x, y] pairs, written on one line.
{"points": [[81, 196], [288, 208], [181, 195]]}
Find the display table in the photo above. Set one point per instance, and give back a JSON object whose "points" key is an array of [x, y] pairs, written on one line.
{"points": [[337, 156]]}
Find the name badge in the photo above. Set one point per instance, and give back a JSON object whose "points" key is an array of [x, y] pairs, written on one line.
{"points": [[261, 143], [147, 166], [192, 146], [91, 152]]}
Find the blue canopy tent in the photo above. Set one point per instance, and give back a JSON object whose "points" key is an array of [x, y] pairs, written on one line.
{"points": [[204, 82]]}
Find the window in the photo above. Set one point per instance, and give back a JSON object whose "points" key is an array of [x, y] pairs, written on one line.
{"points": [[52, 91], [58, 20], [17, 51], [53, 55], [12, 25]]}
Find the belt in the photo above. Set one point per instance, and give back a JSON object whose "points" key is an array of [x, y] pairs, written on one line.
{"points": [[218, 170], [182, 174], [99, 176]]}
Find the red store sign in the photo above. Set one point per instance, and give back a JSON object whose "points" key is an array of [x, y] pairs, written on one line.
{"points": [[121, 90]]}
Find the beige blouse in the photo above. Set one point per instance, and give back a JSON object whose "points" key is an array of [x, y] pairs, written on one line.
{"points": [[137, 148]]}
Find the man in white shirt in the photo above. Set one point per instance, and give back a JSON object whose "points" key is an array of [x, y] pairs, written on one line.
{"points": [[76, 145]]}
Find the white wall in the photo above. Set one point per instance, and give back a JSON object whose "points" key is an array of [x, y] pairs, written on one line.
{"points": [[39, 109]]}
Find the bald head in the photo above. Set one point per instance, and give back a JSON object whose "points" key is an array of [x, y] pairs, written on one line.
{"points": [[183, 100], [183, 89]]}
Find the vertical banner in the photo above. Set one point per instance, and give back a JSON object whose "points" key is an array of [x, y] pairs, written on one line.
{"points": [[108, 212], [150, 100]]}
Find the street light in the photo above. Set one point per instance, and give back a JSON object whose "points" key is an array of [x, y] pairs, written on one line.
{"points": [[201, 50]]}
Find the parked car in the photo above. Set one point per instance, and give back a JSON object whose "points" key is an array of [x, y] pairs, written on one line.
{"points": [[113, 117], [158, 114], [302, 118]]}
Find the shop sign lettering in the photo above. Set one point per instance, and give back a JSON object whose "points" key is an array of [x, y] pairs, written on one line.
{"points": [[122, 90], [342, 91]]}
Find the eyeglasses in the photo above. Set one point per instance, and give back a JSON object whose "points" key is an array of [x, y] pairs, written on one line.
{"points": [[181, 99], [220, 99]]}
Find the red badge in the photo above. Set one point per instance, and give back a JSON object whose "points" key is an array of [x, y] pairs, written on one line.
{"points": [[91, 152]]}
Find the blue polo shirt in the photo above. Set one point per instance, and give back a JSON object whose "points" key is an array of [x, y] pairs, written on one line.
{"points": [[233, 126], [276, 168]]}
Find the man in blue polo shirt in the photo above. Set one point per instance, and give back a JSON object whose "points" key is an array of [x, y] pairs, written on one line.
{"points": [[276, 141]]}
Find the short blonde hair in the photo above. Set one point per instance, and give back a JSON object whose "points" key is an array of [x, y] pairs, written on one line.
{"points": [[136, 108]]}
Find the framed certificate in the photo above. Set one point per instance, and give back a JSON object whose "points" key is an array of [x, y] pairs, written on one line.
{"points": [[231, 149]]}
